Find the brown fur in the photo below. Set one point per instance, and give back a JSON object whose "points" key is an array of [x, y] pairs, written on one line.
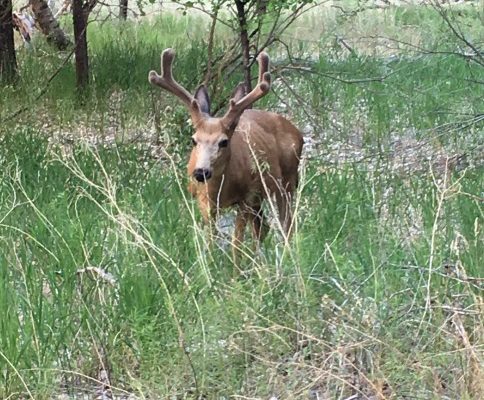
{"points": [[265, 148], [260, 161]]}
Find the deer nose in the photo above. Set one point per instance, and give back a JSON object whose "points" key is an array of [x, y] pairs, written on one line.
{"points": [[202, 174]]}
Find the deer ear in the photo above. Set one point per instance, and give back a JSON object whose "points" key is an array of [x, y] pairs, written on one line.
{"points": [[201, 95], [239, 92]]}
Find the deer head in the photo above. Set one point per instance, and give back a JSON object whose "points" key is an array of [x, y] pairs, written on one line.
{"points": [[212, 136]]}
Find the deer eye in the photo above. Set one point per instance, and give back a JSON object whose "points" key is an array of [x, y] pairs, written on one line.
{"points": [[223, 143], [194, 142]]}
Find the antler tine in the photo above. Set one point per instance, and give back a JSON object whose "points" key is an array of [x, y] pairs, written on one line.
{"points": [[167, 82], [236, 108], [263, 60]]}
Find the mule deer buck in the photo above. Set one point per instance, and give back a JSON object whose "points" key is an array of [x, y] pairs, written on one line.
{"points": [[241, 158]]}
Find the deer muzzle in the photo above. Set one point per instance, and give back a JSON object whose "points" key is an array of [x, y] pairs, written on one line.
{"points": [[202, 174]]}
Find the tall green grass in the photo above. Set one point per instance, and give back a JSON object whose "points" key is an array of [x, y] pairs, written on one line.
{"points": [[359, 268]]}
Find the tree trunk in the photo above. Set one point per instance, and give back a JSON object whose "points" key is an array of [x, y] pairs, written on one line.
{"points": [[8, 61], [48, 24], [80, 16], [244, 40], [123, 9]]}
